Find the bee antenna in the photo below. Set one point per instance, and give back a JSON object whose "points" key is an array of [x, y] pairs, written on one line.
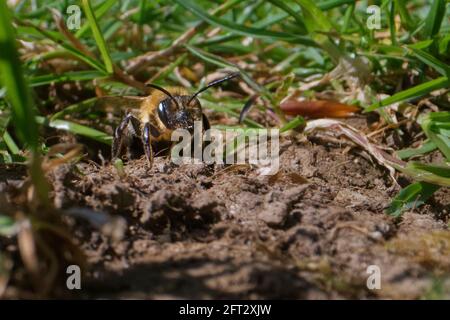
{"points": [[213, 83], [167, 93]]}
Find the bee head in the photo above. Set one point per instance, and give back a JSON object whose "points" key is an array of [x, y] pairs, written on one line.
{"points": [[180, 112]]}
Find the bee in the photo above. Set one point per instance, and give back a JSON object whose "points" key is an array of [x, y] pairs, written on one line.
{"points": [[159, 114]]}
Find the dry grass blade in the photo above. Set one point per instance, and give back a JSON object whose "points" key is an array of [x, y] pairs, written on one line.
{"points": [[6, 265], [337, 127], [61, 25], [27, 247], [71, 151]]}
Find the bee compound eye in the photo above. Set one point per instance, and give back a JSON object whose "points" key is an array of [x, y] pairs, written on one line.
{"points": [[162, 113]]}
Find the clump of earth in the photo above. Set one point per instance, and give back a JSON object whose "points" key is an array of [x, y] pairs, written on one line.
{"points": [[200, 231]]}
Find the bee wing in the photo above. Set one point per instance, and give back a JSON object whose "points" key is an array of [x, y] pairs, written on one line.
{"points": [[118, 104]]}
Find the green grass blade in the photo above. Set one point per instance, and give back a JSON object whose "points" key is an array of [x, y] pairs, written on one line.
{"points": [[23, 112], [317, 22], [444, 46], [8, 226], [75, 108], [438, 175], [434, 18], [76, 128], [211, 58], [282, 5], [294, 123], [5, 116], [240, 29], [68, 76], [167, 70], [440, 170], [428, 146], [391, 22], [12, 78], [411, 197], [315, 19], [75, 52], [331, 4], [99, 12], [218, 61], [10, 143], [412, 93], [347, 18], [435, 125], [431, 61], [98, 36], [400, 6]]}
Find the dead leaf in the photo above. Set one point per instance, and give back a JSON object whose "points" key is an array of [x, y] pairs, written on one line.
{"points": [[318, 109]]}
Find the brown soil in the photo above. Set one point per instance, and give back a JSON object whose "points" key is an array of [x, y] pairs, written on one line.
{"points": [[311, 231]]}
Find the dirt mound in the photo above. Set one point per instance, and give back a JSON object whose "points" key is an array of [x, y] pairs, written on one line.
{"points": [[205, 231]]}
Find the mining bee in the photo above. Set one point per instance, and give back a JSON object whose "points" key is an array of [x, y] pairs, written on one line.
{"points": [[160, 113]]}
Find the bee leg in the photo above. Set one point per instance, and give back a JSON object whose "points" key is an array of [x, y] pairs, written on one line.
{"points": [[119, 133], [205, 121], [206, 127], [146, 140]]}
